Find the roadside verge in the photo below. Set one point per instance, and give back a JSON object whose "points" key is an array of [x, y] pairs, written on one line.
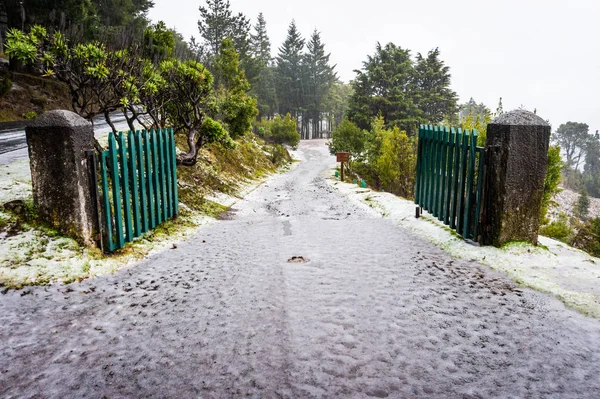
{"points": [[571, 275]]}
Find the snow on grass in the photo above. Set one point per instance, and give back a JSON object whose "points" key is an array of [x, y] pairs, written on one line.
{"points": [[38, 255], [553, 267]]}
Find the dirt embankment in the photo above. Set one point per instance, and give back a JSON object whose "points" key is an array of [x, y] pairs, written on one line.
{"points": [[31, 96]]}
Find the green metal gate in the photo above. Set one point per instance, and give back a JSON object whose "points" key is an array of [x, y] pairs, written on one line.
{"points": [[139, 184], [450, 170]]}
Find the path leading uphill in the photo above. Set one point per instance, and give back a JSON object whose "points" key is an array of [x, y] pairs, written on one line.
{"points": [[372, 312]]}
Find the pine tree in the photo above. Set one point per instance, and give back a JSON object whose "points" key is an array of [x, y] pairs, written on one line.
{"points": [[263, 87], [385, 86], [318, 81], [582, 208], [217, 22], [289, 72], [433, 94], [261, 45]]}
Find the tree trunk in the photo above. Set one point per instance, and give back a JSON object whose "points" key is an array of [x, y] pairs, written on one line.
{"points": [[191, 157]]}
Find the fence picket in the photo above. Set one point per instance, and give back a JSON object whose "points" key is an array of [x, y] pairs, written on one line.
{"points": [[469, 188], [149, 182], [142, 180], [430, 162], [174, 166], [443, 169], [114, 172], [106, 202], [449, 176], [156, 177], [419, 161], [135, 195], [168, 174], [462, 178], [163, 191], [455, 181]]}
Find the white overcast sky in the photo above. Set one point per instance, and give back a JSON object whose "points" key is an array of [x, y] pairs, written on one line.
{"points": [[542, 54]]}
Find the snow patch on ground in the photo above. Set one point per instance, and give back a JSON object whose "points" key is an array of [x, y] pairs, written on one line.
{"points": [[571, 275], [42, 257]]}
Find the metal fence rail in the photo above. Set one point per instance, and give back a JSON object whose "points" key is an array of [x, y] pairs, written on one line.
{"points": [[138, 184], [449, 184]]}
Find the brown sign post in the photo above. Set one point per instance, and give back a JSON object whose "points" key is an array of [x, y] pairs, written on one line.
{"points": [[342, 157]]}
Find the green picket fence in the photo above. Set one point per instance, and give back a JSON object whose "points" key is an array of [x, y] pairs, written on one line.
{"points": [[139, 184], [450, 170]]}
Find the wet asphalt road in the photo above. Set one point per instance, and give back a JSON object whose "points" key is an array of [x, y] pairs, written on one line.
{"points": [[374, 312], [13, 144]]}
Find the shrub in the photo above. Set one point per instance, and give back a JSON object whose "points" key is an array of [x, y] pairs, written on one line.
{"points": [[278, 130], [348, 138], [553, 176], [283, 131], [588, 237], [30, 115], [396, 164], [280, 155], [558, 229]]}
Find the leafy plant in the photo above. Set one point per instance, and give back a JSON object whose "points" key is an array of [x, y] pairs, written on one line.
{"points": [[558, 229], [30, 115], [554, 168]]}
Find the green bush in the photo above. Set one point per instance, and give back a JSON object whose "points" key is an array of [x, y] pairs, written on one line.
{"points": [[554, 169], [280, 155], [588, 237], [558, 229], [279, 130], [348, 138], [397, 163], [30, 115]]}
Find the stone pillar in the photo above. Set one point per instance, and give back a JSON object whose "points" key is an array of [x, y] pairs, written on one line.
{"points": [[60, 172], [517, 150]]}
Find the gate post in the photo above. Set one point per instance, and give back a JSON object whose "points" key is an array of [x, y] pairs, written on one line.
{"points": [[517, 148], [61, 175]]}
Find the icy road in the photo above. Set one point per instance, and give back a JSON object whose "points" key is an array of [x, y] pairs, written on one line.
{"points": [[373, 311]]}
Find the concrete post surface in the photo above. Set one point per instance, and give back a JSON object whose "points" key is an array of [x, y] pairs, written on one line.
{"points": [[62, 182], [517, 147]]}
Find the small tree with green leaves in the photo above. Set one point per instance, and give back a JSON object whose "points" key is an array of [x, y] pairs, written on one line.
{"points": [[396, 165], [192, 106], [348, 138], [582, 207], [554, 168]]}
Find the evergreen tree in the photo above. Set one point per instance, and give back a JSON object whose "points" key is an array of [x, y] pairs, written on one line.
{"points": [[434, 96], [217, 22], [319, 79], [385, 86], [265, 91], [260, 42], [582, 208], [264, 86], [474, 109], [290, 72]]}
